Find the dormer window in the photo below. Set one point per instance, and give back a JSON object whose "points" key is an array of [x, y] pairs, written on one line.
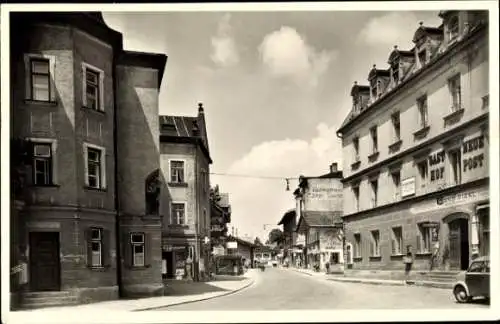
{"points": [[395, 72], [422, 57], [374, 92], [453, 28]]}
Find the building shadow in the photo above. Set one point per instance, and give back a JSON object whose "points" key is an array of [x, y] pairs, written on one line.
{"points": [[186, 288]]}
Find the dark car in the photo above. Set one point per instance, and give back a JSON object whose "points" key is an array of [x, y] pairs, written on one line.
{"points": [[475, 282]]}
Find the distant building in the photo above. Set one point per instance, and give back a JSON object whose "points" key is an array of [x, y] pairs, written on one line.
{"points": [[220, 216], [85, 152], [416, 152], [289, 222], [185, 162], [319, 201]]}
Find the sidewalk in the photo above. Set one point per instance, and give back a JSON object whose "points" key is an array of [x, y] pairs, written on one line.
{"points": [[178, 292], [374, 281]]}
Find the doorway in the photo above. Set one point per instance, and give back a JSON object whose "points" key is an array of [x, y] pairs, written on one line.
{"points": [[44, 261], [459, 244], [168, 257]]}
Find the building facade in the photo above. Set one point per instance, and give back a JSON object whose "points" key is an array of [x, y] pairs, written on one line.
{"points": [[289, 222], [185, 202], [320, 202], [220, 216], [79, 220], [416, 148]]}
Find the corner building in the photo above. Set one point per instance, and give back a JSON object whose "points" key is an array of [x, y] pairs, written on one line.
{"points": [[416, 151], [84, 115]]}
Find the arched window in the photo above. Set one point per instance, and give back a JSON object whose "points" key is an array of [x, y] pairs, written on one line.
{"points": [[453, 28], [152, 189]]}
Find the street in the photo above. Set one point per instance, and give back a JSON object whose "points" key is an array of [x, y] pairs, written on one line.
{"points": [[279, 289]]}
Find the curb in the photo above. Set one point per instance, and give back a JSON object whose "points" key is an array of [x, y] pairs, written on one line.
{"points": [[430, 284], [252, 281]]}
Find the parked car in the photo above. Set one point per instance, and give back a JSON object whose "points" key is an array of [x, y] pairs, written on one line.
{"points": [[475, 282]]}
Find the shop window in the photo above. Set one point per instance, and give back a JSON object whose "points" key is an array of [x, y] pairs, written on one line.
{"points": [[397, 241], [357, 245], [424, 239], [456, 166], [375, 244], [138, 249]]}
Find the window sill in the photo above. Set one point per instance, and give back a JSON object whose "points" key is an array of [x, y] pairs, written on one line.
{"points": [[372, 157], [422, 132], [357, 259], [40, 102], [375, 257], [45, 186], [178, 184], [138, 268], [397, 256], [355, 165], [95, 189], [99, 268], [423, 253], [99, 111], [395, 146], [453, 117]]}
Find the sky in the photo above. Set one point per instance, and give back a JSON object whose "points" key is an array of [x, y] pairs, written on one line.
{"points": [[275, 87]]}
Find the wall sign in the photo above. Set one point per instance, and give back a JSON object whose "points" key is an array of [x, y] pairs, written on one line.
{"points": [[473, 161], [408, 187], [435, 163]]}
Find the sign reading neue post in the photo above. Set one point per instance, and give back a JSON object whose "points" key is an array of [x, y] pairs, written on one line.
{"points": [[408, 187]]}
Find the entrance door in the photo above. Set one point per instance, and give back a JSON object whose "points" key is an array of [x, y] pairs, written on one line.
{"points": [[459, 244], [44, 261]]}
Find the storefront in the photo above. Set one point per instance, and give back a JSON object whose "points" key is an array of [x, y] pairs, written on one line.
{"points": [[176, 260]]}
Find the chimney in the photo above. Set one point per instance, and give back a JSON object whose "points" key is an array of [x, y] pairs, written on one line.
{"points": [[333, 167], [200, 108]]}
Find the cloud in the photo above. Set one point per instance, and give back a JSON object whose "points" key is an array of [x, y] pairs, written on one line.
{"points": [[286, 53], [263, 201], [224, 50], [395, 28]]}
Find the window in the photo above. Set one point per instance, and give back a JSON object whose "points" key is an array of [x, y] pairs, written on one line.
{"points": [[424, 239], [484, 240], [455, 92], [138, 249], [373, 134], [357, 245], [40, 79], [397, 241], [92, 89], [395, 72], [178, 214], [96, 247], [355, 144], [423, 169], [94, 167], [42, 164], [93, 84], [375, 244], [177, 171], [396, 126], [396, 181], [95, 170], [355, 191], [374, 186], [422, 111], [476, 267], [485, 102], [456, 166], [422, 57], [453, 28]]}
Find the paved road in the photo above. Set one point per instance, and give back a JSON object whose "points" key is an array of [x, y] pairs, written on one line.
{"points": [[279, 289]]}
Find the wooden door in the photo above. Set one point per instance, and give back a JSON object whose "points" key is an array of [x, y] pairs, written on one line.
{"points": [[44, 261], [455, 245]]}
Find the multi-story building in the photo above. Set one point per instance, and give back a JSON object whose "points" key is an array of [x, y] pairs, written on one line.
{"points": [[289, 222], [185, 203], [220, 216], [415, 149], [83, 226], [320, 203]]}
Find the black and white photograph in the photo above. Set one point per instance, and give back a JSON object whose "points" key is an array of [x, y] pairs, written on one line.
{"points": [[250, 162]]}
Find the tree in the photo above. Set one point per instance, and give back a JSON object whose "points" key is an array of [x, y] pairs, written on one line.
{"points": [[276, 236], [257, 242]]}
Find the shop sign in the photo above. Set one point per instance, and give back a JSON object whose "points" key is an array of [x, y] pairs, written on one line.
{"points": [[461, 198], [232, 245], [472, 160], [408, 187], [436, 160]]}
